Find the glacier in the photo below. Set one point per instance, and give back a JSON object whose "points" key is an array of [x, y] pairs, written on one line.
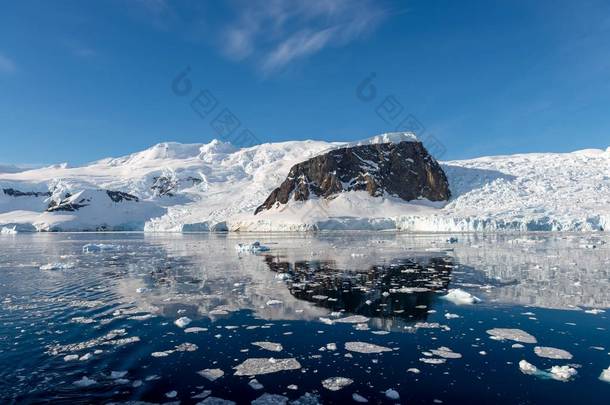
{"points": [[216, 187]]}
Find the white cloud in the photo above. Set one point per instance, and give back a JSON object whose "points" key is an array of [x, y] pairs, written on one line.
{"points": [[7, 65], [278, 32]]}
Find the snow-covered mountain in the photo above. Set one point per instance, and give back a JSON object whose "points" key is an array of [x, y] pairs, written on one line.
{"points": [[216, 186]]}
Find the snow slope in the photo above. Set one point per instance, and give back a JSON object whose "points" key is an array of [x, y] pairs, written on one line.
{"points": [[216, 186]]}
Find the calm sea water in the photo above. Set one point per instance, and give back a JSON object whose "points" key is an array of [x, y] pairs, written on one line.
{"points": [[100, 326]]}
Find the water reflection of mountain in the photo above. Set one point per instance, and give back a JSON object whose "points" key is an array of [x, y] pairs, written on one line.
{"points": [[400, 289], [550, 271]]}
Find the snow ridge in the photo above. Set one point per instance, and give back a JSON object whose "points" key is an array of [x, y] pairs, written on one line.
{"points": [[217, 186]]}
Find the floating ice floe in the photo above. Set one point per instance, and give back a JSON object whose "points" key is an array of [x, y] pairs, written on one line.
{"points": [[195, 329], [85, 382], [71, 357], [432, 360], [563, 373], [255, 385], [99, 247], [446, 353], [215, 401], [182, 322], [273, 347], [460, 297], [559, 373], [413, 370], [392, 394], [336, 383], [552, 353], [270, 399], [57, 266], [203, 394], [111, 338], [367, 348], [353, 319], [517, 335], [359, 398], [186, 347], [527, 368], [251, 248], [211, 374], [259, 366], [449, 315], [171, 394], [594, 311], [605, 375], [115, 375]]}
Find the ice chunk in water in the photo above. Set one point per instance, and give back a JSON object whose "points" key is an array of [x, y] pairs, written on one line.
{"points": [[211, 374], [251, 248], [270, 399], [359, 398], [367, 348], [273, 347], [563, 373], [392, 394], [195, 329], [336, 383], [605, 375], [255, 385], [460, 297], [559, 373], [446, 353], [203, 394], [182, 322], [117, 374], [215, 401], [306, 399], [99, 247], [527, 368], [517, 335], [353, 319], [259, 366], [552, 353], [57, 266]]}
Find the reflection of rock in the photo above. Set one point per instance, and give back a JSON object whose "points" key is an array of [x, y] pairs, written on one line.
{"points": [[401, 288]]}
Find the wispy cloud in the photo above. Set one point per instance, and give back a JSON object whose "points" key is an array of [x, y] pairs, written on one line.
{"points": [[7, 65], [275, 33]]}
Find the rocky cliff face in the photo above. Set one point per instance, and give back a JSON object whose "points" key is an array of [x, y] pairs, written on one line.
{"points": [[403, 169]]}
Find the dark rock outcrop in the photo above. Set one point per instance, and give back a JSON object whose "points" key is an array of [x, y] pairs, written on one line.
{"points": [[16, 193], [403, 169], [68, 204], [118, 196]]}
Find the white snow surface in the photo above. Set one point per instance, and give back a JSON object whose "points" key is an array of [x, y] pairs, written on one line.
{"points": [[217, 187]]}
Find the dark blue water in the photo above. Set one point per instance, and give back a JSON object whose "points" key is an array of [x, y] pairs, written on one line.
{"points": [[101, 316]]}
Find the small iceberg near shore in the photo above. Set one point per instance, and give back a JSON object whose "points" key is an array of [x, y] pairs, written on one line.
{"points": [[251, 248], [460, 297], [99, 247]]}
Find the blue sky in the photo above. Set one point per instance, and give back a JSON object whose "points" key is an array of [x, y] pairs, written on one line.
{"points": [[85, 80]]}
